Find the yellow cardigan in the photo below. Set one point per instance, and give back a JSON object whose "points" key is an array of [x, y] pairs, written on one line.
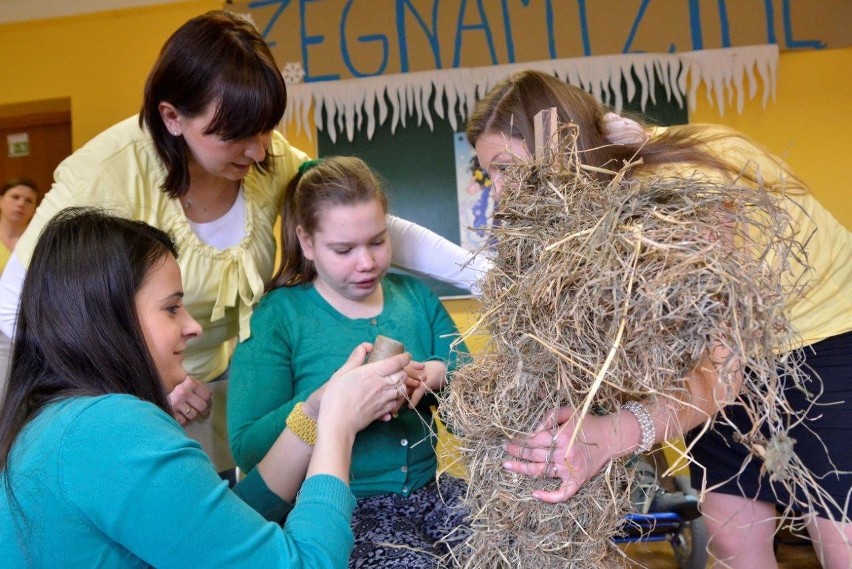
{"points": [[825, 307], [119, 170]]}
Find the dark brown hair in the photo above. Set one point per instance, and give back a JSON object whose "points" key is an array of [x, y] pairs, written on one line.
{"points": [[78, 333], [218, 58], [320, 185], [20, 181]]}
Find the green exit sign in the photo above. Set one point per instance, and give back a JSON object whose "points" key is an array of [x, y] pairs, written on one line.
{"points": [[19, 144]]}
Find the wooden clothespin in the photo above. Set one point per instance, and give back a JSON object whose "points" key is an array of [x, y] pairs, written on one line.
{"points": [[545, 128]]}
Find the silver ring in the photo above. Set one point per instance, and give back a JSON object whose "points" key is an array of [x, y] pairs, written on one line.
{"points": [[187, 411], [547, 455]]}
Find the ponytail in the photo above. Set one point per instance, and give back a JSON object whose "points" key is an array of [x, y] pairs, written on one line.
{"points": [[293, 267], [319, 185]]}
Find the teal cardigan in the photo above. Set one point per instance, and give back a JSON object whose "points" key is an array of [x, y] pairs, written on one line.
{"points": [[113, 481], [298, 341]]}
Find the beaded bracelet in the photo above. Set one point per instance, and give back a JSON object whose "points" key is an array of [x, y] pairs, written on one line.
{"points": [[302, 426], [646, 425]]}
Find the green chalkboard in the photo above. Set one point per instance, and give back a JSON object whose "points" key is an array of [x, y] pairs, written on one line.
{"points": [[418, 164]]}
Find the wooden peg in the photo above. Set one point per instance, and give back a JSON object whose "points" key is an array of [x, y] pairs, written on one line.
{"points": [[545, 127]]}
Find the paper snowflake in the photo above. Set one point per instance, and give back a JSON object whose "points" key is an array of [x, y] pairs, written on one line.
{"points": [[293, 72]]}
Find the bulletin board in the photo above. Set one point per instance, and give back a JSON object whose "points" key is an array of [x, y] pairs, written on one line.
{"points": [[417, 164]]}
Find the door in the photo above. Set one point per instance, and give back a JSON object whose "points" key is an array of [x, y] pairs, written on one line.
{"points": [[34, 138]]}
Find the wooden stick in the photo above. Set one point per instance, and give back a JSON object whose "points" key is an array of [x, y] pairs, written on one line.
{"points": [[545, 127]]}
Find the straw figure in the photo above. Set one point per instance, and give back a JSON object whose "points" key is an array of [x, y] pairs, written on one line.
{"points": [[602, 293]]}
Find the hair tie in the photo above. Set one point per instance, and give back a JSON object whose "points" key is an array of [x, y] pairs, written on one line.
{"points": [[622, 130], [307, 165]]}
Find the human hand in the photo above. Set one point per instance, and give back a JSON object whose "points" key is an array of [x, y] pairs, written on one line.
{"points": [[190, 400], [415, 384], [356, 395], [429, 377], [621, 130], [550, 452]]}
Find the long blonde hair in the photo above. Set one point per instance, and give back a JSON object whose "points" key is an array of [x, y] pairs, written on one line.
{"points": [[510, 108]]}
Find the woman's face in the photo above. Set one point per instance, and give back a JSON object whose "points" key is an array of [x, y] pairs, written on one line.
{"points": [[228, 159], [495, 151], [166, 324], [18, 204]]}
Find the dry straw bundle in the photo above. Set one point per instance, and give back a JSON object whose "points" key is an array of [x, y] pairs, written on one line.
{"points": [[603, 292]]}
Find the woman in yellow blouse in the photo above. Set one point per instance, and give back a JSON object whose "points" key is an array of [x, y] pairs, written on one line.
{"points": [[203, 162], [740, 508]]}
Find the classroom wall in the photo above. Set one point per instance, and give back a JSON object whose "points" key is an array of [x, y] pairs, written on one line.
{"points": [[808, 124], [101, 60]]}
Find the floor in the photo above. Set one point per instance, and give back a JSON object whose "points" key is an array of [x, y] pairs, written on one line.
{"points": [[791, 554]]}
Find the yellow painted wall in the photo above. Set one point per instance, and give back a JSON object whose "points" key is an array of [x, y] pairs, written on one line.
{"points": [[101, 60], [809, 124], [98, 60]]}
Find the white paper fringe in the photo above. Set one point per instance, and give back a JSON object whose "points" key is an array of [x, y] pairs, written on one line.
{"points": [[349, 103]]}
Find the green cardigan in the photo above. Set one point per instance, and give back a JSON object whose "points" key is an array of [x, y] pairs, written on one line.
{"points": [[113, 481], [298, 341]]}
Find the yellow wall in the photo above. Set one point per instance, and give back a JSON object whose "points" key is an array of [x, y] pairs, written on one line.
{"points": [[809, 124], [98, 60], [101, 60]]}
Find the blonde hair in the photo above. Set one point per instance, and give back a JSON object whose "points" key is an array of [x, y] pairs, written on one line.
{"points": [[510, 108]]}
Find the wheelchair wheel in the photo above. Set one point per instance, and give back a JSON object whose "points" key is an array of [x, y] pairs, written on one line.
{"points": [[689, 544]]}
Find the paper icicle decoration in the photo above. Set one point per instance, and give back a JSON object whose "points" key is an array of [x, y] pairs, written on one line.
{"points": [[350, 103]]}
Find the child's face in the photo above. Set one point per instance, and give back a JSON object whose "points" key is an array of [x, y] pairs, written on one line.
{"points": [[350, 250], [495, 151], [165, 322]]}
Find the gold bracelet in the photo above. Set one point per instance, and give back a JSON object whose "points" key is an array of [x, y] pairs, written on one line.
{"points": [[302, 426]]}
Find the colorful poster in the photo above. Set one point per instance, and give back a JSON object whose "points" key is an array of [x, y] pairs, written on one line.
{"points": [[475, 195]]}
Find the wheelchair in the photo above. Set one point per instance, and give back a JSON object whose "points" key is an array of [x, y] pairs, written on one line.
{"points": [[666, 510]]}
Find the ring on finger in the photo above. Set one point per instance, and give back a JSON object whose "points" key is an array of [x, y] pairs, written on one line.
{"points": [[187, 411], [547, 455], [391, 379]]}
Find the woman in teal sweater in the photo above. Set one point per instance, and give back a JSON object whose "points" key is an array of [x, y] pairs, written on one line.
{"points": [[94, 469], [332, 292]]}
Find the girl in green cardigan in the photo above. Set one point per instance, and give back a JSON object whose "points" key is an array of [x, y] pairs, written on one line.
{"points": [[332, 292]]}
